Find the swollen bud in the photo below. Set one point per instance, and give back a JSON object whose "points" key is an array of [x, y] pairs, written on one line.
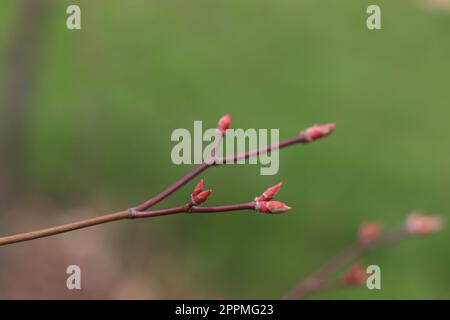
{"points": [[201, 197], [198, 196], [224, 123], [318, 131], [198, 188], [270, 193], [271, 207], [369, 232], [355, 275], [418, 224]]}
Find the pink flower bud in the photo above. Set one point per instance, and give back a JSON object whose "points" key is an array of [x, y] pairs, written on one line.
{"points": [[419, 224], [224, 123], [271, 207], [269, 193], [368, 232], [198, 188], [319, 131], [201, 197], [355, 275]]}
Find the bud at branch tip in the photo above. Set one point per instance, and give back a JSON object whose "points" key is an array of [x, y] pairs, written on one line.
{"points": [[369, 231], [198, 188], [270, 192], [224, 123], [419, 224], [355, 275], [318, 131], [271, 207]]}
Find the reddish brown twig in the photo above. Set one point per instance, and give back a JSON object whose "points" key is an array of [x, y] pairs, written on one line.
{"points": [[263, 205], [121, 215], [198, 196], [370, 238]]}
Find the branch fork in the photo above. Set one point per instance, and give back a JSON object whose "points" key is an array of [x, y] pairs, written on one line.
{"points": [[262, 204]]}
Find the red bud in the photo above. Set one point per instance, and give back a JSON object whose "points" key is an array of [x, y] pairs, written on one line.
{"points": [[368, 232], [198, 188], [319, 131], [270, 193], [271, 207], [201, 197], [355, 275], [419, 224], [224, 123]]}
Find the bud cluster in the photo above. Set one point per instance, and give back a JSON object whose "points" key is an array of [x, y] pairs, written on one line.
{"points": [[198, 196], [265, 204]]}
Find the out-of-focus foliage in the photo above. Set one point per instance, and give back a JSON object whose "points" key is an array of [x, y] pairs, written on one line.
{"points": [[110, 95]]}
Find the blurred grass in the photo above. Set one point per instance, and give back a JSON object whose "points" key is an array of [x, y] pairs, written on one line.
{"points": [[111, 94]]}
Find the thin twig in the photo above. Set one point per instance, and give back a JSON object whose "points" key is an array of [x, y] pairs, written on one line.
{"points": [[121, 215], [64, 228]]}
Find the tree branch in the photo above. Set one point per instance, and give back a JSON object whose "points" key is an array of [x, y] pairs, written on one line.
{"points": [[262, 204], [121, 215], [308, 135]]}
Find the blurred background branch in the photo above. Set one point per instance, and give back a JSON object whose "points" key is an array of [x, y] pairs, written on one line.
{"points": [[370, 237]]}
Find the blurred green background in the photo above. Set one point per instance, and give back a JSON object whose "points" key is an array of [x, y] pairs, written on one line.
{"points": [[107, 98]]}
